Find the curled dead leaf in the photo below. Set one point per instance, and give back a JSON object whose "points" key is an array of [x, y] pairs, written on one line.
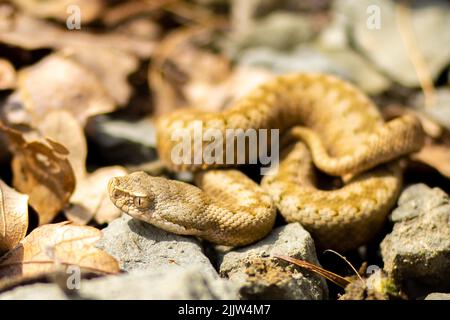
{"points": [[54, 247], [62, 127], [13, 217], [42, 171], [90, 199], [7, 75]]}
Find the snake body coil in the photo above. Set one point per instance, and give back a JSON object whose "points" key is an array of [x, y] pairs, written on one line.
{"points": [[338, 130]]}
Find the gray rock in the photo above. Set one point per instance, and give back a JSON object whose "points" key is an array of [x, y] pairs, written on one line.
{"points": [[279, 30], [358, 70], [377, 286], [418, 248], [383, 43], [140, 246], [335, 44], [191, 284], [260, 276], [38, 291], [343, 62], [438, 296], [123, 141], [303, 59], [245, 14]]}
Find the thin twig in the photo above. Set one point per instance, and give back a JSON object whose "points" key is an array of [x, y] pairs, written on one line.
{"points": [[405, 27], [348, 262], [333, 277]]}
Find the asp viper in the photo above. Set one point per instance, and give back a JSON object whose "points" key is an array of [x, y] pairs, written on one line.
{"points": [[337, 129]]}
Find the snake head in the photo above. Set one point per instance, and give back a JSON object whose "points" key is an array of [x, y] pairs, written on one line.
{"points": [[161, 202], [132, 194]]}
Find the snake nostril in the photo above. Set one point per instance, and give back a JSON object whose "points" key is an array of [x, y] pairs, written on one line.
{"points": [[116, 194]]}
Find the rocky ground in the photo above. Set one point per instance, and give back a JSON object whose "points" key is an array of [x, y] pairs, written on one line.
{"points": [[81, 104], [161, 265]]}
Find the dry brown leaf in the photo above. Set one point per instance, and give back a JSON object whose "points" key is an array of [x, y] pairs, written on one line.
{"points": [[53, 247], [140, 27], [127, 9], [30, 33], [7, 75], [217, 96], [58, 82], [6, 17], [42, 171], [197, 14], [436, 156], [177, 61], [184, 74], [89, 9], [100, 60], [62, 127], [13, 217], [107, 58], [90, 199]]}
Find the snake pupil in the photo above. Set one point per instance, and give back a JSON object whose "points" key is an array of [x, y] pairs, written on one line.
{"points": [[141, 202]]}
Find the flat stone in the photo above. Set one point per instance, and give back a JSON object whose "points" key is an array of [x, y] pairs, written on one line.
{"points": [[190, 283], [418, 248], [140, 246], [260, 276]]}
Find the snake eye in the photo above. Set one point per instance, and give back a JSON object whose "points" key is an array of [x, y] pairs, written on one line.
{"points": [[116, 194], [141, 202]]}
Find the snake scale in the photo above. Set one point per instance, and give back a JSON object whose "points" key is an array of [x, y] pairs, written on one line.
{"points": [[325, 123]]}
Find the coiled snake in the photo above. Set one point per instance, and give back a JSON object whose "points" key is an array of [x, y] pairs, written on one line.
{"points": [[329, 124]]}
